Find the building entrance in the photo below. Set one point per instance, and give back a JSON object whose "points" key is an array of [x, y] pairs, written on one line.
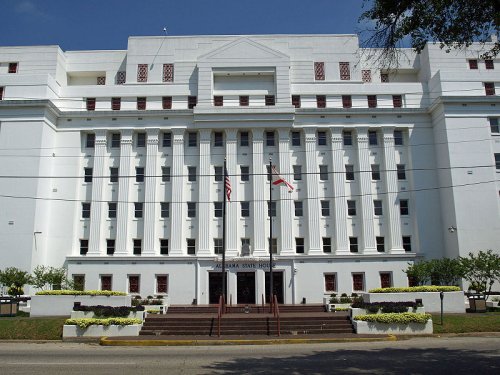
{"points": [[277, 286], [215, 287], [245, 287]]}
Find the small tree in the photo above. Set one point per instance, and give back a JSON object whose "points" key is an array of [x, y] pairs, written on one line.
{"points": [[419, 271], [14, 279], [54, 277], [445, 271], [481, 270]]}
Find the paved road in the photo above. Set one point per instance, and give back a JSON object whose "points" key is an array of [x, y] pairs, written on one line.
{"points": [[469, 355]]}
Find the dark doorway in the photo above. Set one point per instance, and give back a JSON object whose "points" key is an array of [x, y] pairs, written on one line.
{"points": [[245, 284], [215, 286], [277, 286]]}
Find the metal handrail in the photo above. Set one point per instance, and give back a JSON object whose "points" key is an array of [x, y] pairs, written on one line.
{"points": [[277, 314]]}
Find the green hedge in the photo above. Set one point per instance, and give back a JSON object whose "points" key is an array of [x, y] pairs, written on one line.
{"points": [[398, 318], [425, 288], [85, 322], [80, 293]]}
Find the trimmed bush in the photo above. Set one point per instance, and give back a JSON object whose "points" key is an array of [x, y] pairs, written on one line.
{"points": [[412, 289], [80, 293], [395, 318], [109, 311], [138, 302], [86, 322]]}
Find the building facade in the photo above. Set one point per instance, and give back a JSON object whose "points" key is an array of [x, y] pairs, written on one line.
{"points": [[111, 164]]}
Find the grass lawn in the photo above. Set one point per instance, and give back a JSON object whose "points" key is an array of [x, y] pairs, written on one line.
{"points": [[31, 328], [462, 323]]}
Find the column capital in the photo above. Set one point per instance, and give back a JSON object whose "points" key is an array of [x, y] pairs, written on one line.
{"points": [[284, 134], [151, 132], [205, 135], [258, 135], [100, 133], [127, 133], [388, 130], [231, 134]]}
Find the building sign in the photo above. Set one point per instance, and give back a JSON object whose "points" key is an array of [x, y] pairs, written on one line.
{"points": [[244, 265]]}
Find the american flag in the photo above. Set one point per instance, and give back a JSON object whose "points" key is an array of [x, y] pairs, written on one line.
{"points": [[227, 185]]}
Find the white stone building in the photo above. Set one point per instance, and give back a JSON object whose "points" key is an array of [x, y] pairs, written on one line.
{"points": [[111, 163]]}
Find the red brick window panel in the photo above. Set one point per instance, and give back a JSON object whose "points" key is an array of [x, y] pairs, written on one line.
{"points": [[133, 284], [90, 103], [192, 101], [218, 100], [244, 100], [473, 64], [116, 104], [330, 283], [384, 77], [321, 101], [161, 284], [319, 71], [357, 282], [346, 101], [366, 75], [385, 280], [397, 101], [412, 281], [106, 282], [489, 88], [1, 93], [141, 103], [296, 101], [166, 102], [372, 101], [101, 80], [345, 71], [489, 64], [168, 73], [142, 73], [270, 100], [121, 77], [12, 67]]}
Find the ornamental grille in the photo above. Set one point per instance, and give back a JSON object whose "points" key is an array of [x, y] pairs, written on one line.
{"points": [[330, 283], [161, 284], [141, 103], [321, 101], [133, 284], [168, 72], [346, 101], [218, 101], [397, 101], [1, 93], [12, 67], [366, 75], [166, 102], [101, 80], [473, 64], [372, 101], [244, 100], [489, 64], [142, 73], [385, 280], [357, 282], [90, 104], [106, 282], [384, 77], [116, 104], [270, 100], [192, 100], [345, 73], [319, 71], [296, 101], [121, 77], [489, 88]]}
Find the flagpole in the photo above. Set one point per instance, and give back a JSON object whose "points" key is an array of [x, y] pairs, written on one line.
{"points": [[224, 235], [270, 234]]}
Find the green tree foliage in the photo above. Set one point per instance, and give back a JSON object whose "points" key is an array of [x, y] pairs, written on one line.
{"points": [[442, 271], [419, 271], [44, 276], [14, 279], [481, 270]]}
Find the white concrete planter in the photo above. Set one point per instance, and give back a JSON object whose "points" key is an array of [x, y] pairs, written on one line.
{"points": [[373, 328], [161, 308], [355, 311], [100, 331], [63, 305], [90, 314], [453, 302]]}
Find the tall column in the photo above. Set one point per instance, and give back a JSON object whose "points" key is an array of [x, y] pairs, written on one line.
{"points": [[232, 207], [177, 237], [124, 206], [96, 205], [259, 185], [394, 218], [340, 200], [151, 205], [286, 201], [205, 178], [368, 243], [312, 185]]}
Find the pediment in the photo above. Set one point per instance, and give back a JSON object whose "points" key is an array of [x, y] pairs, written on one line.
{"points": [[243, 49]]}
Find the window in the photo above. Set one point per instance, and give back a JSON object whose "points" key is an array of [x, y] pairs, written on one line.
{"points": [[270, 100], [299, 208], [403, 207], [218, 101], [84, 246], [218, 208], [218, 246], [168, 73], [192, 139], [325, 208], [270, 139], [347, 138], [299, 245], [377, 207], [473, 64], [121, 77], [323, 172], [90, 103], [192, 101], [271, 208], [366, 76], [397, 101], [116, 104], [489, 88], [321, 101], [1, 93], [85, 210], [357, 282], [142, 73], [137, 246], [407, 243], [384, 77], [79, 282], [141, 103], [295, 138], [106, 282], [380, 244], [274, 245], [245, 246], [327, 244], [245, 173], [110, 246], [385, 280], [192, 174], [319, 71], [191, 207], [112, 210], [244, 139], [372, 138], [165, 174], [101, 81], [353, 244], [218, 174], [489, 64], [90, 140], [115, 140], [497, 162], [113, 174], [345, 73], [398, 138], [297, 172], [321, 138], [88, 174], [167, 140], [218, 139], [375, 172], [494, 125], [166, 102], [191, 246], [139, 174], [13, 67], [245, 209], [141, 140], [163, 246], [346, 101], [161, 284], [296, 101], [351, 208], [401, 171], [330, 282], [372, 101], [133, 284], [244, 100], [164, 209], [138, 209], [349, 172]]}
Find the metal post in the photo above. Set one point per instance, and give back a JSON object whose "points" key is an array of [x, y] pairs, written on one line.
{"points": [[441, 296], [224, 236], [270, 234]]}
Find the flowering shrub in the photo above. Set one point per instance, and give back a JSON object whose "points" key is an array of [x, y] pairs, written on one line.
{"points": [[395, 318], [108, 311], [80, 293], [86, 322], [425, 288]]}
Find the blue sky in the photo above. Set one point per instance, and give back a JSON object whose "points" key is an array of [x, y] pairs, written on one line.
{"points": [[106, 24]]}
